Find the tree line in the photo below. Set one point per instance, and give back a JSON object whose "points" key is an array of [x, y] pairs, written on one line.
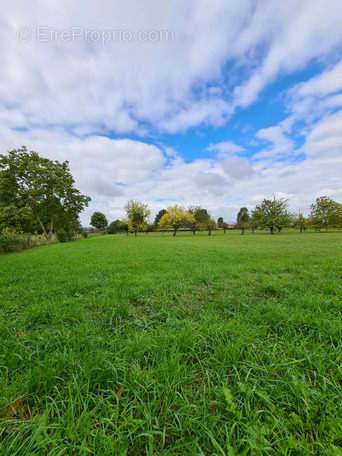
{"points": [[271, 214], [38, 194]]}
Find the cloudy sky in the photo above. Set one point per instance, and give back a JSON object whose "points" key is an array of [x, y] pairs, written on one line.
{"points": [[217, 103]]}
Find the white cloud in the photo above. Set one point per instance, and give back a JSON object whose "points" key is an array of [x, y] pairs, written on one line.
{"points": [[280, 144], [225, 147], [237, 167], [82, 101]]}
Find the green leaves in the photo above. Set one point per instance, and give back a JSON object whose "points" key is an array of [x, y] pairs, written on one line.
{"points": [[137, 214], [99, 220], [271, 214], [40, 190], [326, 213]]}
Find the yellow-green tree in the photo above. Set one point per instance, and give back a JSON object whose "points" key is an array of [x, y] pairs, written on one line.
{"points": [[137, 214], [175, 218]]}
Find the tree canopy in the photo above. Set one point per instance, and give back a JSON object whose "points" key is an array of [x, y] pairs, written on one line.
{"points": [[158, 217], [99, 220], [175, 218], [38, 192], [326, 213], [137, 214], [242, 219], [219, 221], [271, 214]]}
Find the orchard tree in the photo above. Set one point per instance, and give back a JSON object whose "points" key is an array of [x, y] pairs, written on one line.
{"points": [[193, 224], [41, 191], [224, 226], [201, 218], [158, 217], [242, 219], [175, 218], [137, 214], [300, 222], [326, 213], [204, 221], [271, 214], [211, 225], [99, 221]]}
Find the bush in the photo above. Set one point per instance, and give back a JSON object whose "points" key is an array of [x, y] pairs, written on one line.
{"points": [[62, 236], [85, 234], [12, 242]]}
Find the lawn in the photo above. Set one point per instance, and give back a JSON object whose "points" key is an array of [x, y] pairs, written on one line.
{"points": [[161, 345]]}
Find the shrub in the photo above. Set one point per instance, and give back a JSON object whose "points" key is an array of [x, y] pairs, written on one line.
{"points": [[62, 236], [12, 242]]}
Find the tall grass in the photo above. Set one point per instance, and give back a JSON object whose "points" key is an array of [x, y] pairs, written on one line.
{"points": [[194, 345]]}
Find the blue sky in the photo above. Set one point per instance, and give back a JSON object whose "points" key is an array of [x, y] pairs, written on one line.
{"points": [[218, 104]]}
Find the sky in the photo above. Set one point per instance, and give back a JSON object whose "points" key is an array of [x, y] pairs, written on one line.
{"points": [[218, 104]]}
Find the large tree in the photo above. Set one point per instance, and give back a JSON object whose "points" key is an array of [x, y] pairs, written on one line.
{"points": [[271, 214], [326, 213], [137, 214], [99, 220], [175, 218], [41, 190]]}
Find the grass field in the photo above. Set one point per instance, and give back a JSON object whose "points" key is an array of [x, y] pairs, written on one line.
{"points": [[193, 345]]}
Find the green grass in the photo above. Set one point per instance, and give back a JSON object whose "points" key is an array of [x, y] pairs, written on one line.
{"points": [[222, 345]]}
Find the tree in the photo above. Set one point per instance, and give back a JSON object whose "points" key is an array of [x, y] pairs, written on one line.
{"points": [[201, 218], [175, 218], [137, 214], [114, 227], [271, 214], [326, 213], [204, 221], [219, 221], [300, 222], [242, 219], [193, 225], [211, 225], [158, 217], [224, 226], [99, 220], [41, 190]]}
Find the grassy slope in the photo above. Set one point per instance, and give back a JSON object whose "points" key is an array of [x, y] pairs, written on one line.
{"points": [[222, 345]]}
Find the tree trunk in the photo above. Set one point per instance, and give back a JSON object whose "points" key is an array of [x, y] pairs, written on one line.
{"points": [[135, 232], [242, 231], [175, 231], [301, 229], [194, 231], [224, 231], [42, 226], [271, 229], [50, 232]]}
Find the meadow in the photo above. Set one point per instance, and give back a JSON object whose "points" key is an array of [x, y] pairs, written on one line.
{"points": [[158, 345]]}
